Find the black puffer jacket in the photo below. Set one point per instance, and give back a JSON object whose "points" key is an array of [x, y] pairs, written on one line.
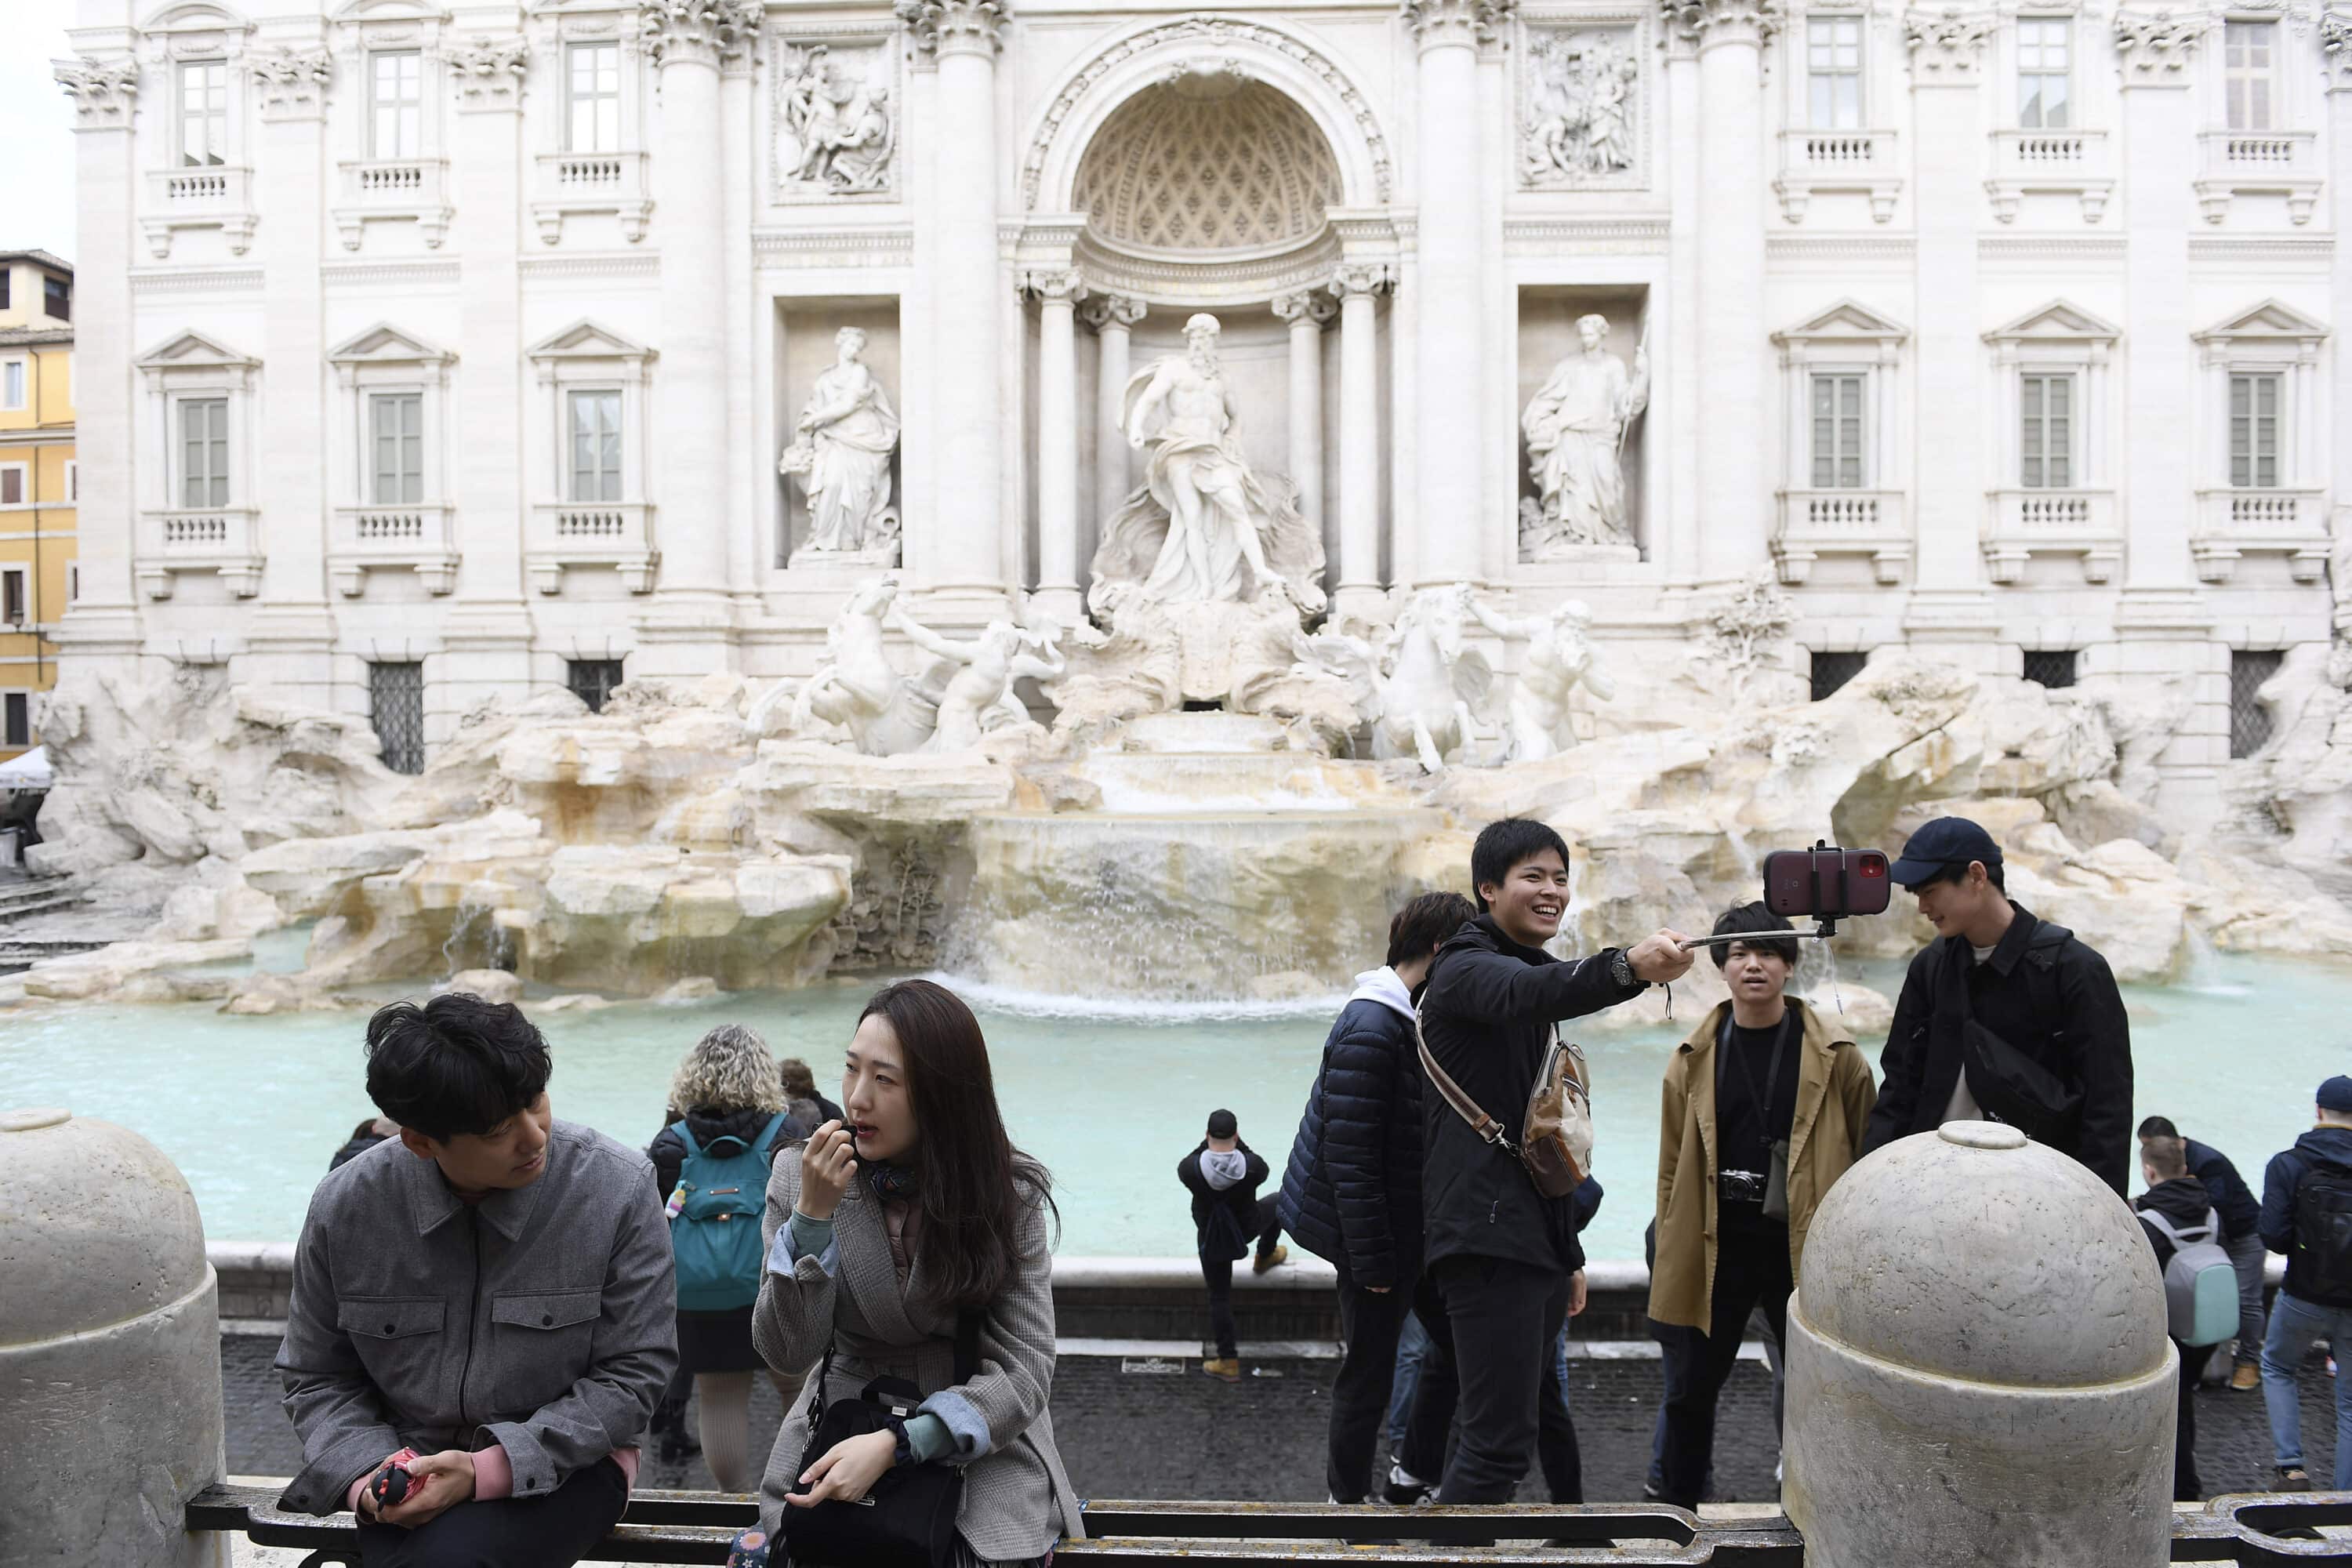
{"points": [[667, 1152], [1352, 1192], [1487, 1014]]}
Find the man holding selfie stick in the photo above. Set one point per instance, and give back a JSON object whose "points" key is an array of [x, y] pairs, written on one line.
{"points": [[2004, 1016]]}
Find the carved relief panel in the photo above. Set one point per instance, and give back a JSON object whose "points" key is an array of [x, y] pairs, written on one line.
{"points": [[837, 116], [1583, 107]]}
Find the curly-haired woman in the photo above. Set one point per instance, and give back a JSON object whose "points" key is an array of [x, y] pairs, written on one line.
{"points": [[727, 1122]]}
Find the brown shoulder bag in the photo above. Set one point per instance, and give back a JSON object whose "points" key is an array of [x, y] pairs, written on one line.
{"points": [[1555, 1143]]}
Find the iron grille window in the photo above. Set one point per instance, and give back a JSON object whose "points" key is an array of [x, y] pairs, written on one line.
{"points": [[2249, 721], [1832, 670], [2053, 667], [591, 680], [396, 701]]}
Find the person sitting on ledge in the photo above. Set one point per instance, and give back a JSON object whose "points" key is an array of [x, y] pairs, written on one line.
{"points": [[489, 1299]]}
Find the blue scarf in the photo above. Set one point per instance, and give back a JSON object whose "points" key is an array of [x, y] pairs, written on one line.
{"points": [[887, 1181]]}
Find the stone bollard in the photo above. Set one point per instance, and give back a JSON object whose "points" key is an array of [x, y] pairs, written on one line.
{"points": [[1978, 1368], [110, 1349]]}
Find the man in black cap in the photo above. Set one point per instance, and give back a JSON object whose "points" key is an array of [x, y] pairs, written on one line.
{"points": [[2003, 1017], [2307, 1215]]}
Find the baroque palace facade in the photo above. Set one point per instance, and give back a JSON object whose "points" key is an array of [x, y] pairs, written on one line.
{"points": [[432, 354]]}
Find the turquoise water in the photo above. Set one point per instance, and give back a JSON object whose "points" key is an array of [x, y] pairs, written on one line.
{"points": [[252, 1107]]}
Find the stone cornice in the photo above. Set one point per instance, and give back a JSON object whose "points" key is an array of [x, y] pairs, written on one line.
{"points": [[2336, 48], [1947, 46], [954, 27], [2157, 48], [708, 32], [103, 91], [490, 71], [1460, 23], [290, 83], [1709, 22]]}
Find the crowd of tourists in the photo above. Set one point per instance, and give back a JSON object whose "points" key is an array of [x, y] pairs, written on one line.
{"points": [[494, 1312]]}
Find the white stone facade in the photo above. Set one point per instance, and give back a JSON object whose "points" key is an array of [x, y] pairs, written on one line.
{"points": [[471, 337]]}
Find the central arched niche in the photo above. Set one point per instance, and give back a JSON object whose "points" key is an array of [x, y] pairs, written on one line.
{"points": [[1207, 162]]}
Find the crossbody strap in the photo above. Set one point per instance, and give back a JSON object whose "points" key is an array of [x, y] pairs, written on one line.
{"points": [[967, 1363], [1469, 1109]]}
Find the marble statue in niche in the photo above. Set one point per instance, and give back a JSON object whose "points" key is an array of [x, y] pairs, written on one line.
{"points": [[841, 456], [1575, 428], [1204, 526], [1578, 122], [1560, 658], [837, 126]]}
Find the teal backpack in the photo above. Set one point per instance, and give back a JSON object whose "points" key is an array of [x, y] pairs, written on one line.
{"points": [[2200, 1285], [715, 1225]]}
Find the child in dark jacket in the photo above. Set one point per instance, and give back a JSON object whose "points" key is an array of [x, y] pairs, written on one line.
{"points": [[1224, 1175]]}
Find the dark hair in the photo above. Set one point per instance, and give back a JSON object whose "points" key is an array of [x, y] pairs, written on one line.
{"points": [[971, 1183], [1223, 1125], [1754, 917], [1417, 929], [366, 1130], [2159, 1127], [798, 1080], [457, 1064], [1502, 845], [1956, 873]]}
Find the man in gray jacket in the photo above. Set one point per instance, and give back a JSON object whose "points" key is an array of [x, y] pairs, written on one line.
{"points": [[488, 1301]]}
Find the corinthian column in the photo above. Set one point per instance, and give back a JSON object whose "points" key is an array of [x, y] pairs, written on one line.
{"points": [[690, 629], [1734, 490], [1450, 516], [1113, 318], [1307, 311], [1360, 592], [1058, 296], [1950, 613], [960, 553], [101, 626]]}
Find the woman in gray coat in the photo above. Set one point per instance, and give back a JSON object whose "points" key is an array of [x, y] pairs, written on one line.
{"points": [[885, 1228]]}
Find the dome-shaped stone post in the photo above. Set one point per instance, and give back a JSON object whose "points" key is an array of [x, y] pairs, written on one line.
{"points": [[110, 1349], [1978, 1367]]}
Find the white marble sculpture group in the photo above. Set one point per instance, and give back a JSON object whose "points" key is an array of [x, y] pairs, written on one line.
{"points": [[1207, 583]]}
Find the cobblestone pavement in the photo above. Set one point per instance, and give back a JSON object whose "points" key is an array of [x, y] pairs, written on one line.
{"points": [[1135, 1433]]}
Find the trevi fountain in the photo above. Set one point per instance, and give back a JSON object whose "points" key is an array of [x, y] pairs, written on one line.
{"points": [[876, 515]]}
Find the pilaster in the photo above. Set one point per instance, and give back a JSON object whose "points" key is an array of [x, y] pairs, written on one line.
{"points": [[2336, 46]]}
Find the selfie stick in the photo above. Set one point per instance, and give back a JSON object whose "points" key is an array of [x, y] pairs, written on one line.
{"points": [[1823, 932]]}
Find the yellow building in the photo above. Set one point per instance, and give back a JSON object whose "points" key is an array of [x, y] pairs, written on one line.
{"points": [[38, 481]]}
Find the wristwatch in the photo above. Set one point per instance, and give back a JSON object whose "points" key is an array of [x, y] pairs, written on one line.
{"points": [[1620, 970]]}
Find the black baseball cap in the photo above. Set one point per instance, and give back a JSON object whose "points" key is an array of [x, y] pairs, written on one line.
{"points": [[1945, 841]]}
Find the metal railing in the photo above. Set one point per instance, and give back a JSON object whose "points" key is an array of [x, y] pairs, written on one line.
{"points": [[2256, 1531]]}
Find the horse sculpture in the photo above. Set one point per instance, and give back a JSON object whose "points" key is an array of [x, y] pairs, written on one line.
{"points": [[1419, 690]]}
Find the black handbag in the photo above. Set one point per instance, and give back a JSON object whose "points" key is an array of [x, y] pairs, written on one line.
{"points": [[2011, 1085], [908, 1518]]}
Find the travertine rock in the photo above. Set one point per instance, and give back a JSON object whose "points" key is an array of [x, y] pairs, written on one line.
{"points": [[490, 984]]}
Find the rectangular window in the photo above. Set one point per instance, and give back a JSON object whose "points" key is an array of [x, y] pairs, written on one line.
{"points": [[2053, 667], [396, 705], [204, 112], [11, 596], [396, 448], [591, 680], [1833, 71], [592, 91], [17, 730], [2249, 721], [2046, 442], [203, 452], [2044, 70], [73, 479], [1837, 432], [596, 446], [12, 384], [57, 297], [395, 102], [2254, 432], [6, 278], [12, 490], [2248, 56], [1833, 670], [73, 581]]}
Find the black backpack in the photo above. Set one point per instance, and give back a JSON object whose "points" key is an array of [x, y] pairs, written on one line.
{"points": [[2319, 1270]]}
